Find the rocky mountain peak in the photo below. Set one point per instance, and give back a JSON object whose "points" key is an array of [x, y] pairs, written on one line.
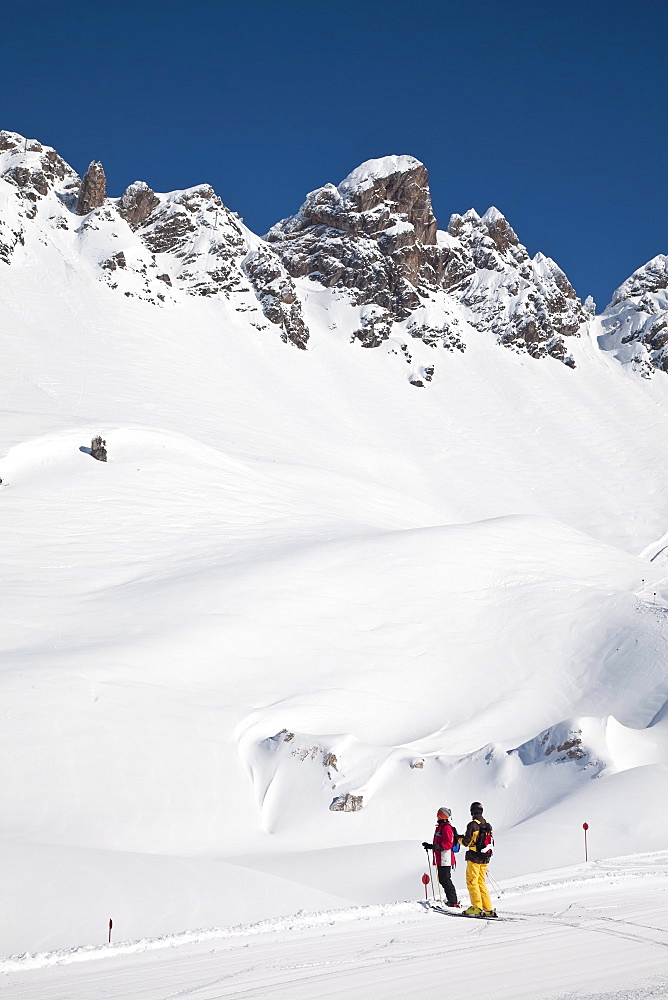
{"points": [[394, 187], [527, 304], [499, 230], [156, 248], [647, 280], [372, 239], [374, 235], [93, 190], [490, 239], [372, 199], [29, 173], [13, 140], [635, 324], [34, 169]]}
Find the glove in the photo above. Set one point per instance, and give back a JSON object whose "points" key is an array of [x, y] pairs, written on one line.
{"points": [[427, 847]]}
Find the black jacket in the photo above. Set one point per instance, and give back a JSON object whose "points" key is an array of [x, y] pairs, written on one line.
{"points": [[469, 839]]}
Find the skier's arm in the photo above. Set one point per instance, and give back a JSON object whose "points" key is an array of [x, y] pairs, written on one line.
{"points": [[466, 839]]}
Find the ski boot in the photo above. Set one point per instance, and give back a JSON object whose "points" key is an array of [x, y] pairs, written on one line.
{"points": [[489, 913], [473, 911], [454, 906]]}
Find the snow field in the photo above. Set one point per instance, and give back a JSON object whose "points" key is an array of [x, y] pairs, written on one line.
{"points": [[592, 931]]}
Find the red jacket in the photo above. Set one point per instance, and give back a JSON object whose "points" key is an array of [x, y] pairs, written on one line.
{"points": [[444, 841]]}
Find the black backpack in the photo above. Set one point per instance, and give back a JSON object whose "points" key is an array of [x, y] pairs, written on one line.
{"points": [[484, 842]]}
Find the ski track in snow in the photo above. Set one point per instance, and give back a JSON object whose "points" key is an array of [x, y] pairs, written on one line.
{"points": [[603, 926], [610, 873]]}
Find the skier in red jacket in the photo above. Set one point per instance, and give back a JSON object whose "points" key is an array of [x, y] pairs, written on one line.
{"points": [[445, 838]]}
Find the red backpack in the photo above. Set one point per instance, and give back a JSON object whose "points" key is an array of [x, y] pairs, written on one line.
{"points": [[484, 842]]}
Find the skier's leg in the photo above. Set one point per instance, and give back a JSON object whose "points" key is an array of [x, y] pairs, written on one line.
{"points": [[484, 893], [446, 881], [472, 876]]}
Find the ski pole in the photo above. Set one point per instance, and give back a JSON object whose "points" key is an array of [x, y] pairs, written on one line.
{"points": [[438, 885], [431, 875], [497, 888], [440, 894]]}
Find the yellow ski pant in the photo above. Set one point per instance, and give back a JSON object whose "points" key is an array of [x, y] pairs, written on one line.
{"points": [[477, 886]]}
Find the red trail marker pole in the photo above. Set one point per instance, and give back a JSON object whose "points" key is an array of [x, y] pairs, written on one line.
{"points": [[425, 882], [111, 924], [585, 827]]}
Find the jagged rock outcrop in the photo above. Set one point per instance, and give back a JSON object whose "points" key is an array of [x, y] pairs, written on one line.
{"points": [[206, 242], [374, 235], [93, 190], [635, 324], [372, 240], [276, 293], [136, 204], [527, 304]]}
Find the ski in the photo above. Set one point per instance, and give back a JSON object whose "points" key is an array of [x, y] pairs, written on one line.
{"points": [[469, 916]]}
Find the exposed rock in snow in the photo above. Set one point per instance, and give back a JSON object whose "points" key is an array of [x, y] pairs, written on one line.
{"points": [[136, 203], [528, 304], [93, 190], [562, 744], [373, 240], [347, 803], [277, 294], [31, 173], [205, 241], [635, 324], [143, 245], [374, 235], [98, 449]]}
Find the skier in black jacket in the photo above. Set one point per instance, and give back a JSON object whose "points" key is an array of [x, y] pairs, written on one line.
{"points": [[479, 840]]}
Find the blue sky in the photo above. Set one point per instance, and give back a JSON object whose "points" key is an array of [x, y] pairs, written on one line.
{"points": [[554, 112]]}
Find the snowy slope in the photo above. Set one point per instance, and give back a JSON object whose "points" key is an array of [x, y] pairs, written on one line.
{"points": [[597, 932], [300, 579]]}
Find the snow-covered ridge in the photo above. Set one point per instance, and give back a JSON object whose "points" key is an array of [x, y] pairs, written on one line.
{"points": [[635, 324], [373, 237], [158, 248]]}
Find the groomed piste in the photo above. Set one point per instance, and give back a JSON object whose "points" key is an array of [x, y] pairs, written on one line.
{"points": [[592, 931]]}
